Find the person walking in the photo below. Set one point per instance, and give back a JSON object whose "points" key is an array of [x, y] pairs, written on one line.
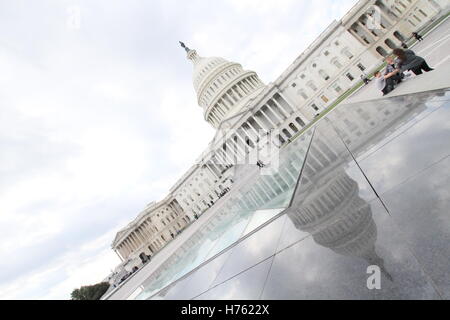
{"points": [[365, 79], [408, 60], [417, 36]]}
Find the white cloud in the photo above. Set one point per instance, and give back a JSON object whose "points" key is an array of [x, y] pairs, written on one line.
{"points": [[97, 121]]}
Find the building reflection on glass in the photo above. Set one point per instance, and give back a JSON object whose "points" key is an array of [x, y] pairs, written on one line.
{"points": [[327, 204], [327, 201]]}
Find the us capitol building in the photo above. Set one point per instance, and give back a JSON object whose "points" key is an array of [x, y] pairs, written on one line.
{"points": [[240, 106]]}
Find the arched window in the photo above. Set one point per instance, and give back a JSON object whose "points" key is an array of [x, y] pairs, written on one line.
{"points": [[382, 51], [336, 63], [390, 43], [303, 94], [311, 85], [300, 121], [280, 138], [293, 127], [287, 133], [399, 36], [346, 52], [324, 75]]}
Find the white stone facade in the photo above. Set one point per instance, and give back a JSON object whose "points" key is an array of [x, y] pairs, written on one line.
{"points": [[240, 107]]}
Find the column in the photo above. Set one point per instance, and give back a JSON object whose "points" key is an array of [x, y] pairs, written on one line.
{"points": [[129, 245], [273, 111], [216, 115], [285, 112], [269, 186], [237, 92], [230, 97], [248, 135], [243, 88], [137, 239], [367, 30], [219, 110], [268, 118], [226, 101], [263, 126], [235, 153], [145, 230], [211, 169], [385, 16], [283, 98], [213, 118], [248, 85], [354, 34], [132, 244], [263, 191], [255, 130], [223, 105], [226, 157]]}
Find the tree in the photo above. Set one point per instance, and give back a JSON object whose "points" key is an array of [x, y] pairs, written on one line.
{"points": [[94, 292]]}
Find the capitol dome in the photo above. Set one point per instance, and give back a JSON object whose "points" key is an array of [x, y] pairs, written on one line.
{"points": [[222, 87]]}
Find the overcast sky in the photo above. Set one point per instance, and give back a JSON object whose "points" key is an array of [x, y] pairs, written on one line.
{"points": [[98, 117]]}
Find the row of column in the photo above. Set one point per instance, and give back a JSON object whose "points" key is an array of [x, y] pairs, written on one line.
{"points": [[231, 98], [268, 117]]}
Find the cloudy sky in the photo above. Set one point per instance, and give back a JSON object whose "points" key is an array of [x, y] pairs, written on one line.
{"points": [[98, 117]]}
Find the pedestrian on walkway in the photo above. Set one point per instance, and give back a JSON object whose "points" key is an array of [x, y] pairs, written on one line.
{"points": [[417, 36], [365, 79], [407, 60]]}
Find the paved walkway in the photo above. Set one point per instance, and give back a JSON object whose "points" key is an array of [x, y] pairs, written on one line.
{"points": [[436, 50]]}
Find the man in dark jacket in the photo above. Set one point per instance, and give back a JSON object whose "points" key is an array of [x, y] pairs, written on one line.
{"points": [[407, 60], [417, 36]]}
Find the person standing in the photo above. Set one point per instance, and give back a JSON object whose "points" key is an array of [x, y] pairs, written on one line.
{"points": [[407, 60], [365, 79], [417, 36]]}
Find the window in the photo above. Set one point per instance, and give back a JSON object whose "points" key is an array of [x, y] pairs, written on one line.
{"points": [[326, 53], [350, 77], [347, 53], [324, 75], [293, 85], [324, 98], [382, 51], [303, 94], [423, 13], [314, 106], [314, 65], [312, 86], [300, 121], [336, 43], [302, 76], [361, 67], [337, 63], [337, 88]]}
